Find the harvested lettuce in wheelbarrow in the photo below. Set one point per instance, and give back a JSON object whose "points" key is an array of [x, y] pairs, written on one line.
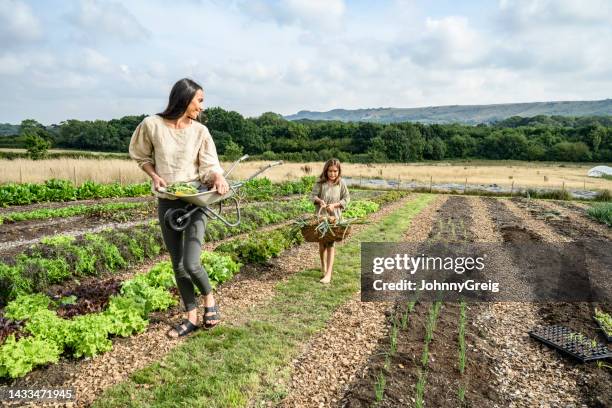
{"points": [[182, 189]]}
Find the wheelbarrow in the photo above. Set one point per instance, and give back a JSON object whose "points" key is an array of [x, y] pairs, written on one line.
{"points": [[179, 218]]}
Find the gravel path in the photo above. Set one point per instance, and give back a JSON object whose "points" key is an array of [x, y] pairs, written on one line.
{"points": [[423, 222]]}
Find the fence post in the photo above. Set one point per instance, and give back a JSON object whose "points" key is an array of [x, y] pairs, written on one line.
{"points": [[74, 175], [430, 182], [512, 188], [20, 174], [465, 186]]}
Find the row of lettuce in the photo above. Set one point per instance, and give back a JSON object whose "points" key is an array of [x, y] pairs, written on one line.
{"points": [[55, 190], [44, 335], [58, 258], [92, 210]]}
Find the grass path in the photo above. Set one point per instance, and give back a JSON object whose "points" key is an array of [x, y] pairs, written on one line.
{"points": [[229, 365]]}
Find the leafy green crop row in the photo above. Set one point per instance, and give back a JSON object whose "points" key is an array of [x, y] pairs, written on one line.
{"points": [[80, 209], [359, 209], [58, 258], [261, 246], [601, 212], [263, 189], [88, 335], [65, 190], [256, 217]]}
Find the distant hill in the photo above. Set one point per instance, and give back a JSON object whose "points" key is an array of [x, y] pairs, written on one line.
{"points": [[6, 129], [468, 114]]}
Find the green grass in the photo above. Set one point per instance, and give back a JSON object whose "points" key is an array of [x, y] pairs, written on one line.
{"points": [[231, 365], [601, 212]]}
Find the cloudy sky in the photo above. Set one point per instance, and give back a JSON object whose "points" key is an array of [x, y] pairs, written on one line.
{"points": [[103, 59]]}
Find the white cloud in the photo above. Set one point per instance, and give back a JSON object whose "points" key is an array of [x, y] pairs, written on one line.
{"points": [[308, 14], [524, 13], [96, 21], [10, 64], [554, 37], [17, 24], [449, 42]]}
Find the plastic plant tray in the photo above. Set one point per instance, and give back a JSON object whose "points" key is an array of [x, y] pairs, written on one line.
{"points": [[565, 339], [607, 335]]}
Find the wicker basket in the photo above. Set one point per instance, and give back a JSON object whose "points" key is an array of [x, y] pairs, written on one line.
{"points": [[335, 234]]}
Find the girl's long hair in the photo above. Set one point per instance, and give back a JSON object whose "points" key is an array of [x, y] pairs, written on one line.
{"points": [[328, 164], [181, 95]]}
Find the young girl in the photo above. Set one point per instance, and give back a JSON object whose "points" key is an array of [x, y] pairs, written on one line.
{"points": [[331, 194]]}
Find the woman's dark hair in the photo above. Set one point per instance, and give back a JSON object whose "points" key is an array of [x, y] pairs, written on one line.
{"points": [[328, 164], [181, 95]]}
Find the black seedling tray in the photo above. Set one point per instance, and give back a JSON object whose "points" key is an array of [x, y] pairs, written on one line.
{"points": [[560, 338], [605, 333]]}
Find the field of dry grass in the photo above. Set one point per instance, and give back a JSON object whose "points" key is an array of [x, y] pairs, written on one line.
{"points": [[523, 174]]}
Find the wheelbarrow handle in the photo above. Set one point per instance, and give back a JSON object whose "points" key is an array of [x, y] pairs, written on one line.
{"points": [[227, 173], [273, 164]]}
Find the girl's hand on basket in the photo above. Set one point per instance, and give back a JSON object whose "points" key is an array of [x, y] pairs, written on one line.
{"points": [[220, 184], [330, 208], [159, 182]]}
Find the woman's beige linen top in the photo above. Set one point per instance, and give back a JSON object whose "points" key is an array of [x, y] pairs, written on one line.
{"points": [[178, 155], [331, 194]]}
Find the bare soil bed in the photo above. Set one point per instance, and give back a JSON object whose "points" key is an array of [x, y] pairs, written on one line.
{"points": [[505, 367]]}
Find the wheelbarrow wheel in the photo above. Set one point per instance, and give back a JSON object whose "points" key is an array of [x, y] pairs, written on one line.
{"points": [[172, 219]]}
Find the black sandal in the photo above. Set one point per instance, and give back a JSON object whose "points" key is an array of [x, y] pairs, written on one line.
{"points": [[215, 316], [183, 329]]}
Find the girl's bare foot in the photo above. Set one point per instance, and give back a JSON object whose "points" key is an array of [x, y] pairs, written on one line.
{"points": [[325, 279]]}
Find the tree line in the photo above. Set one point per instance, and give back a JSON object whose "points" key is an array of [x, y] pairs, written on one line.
{"points": [[270, 136]]}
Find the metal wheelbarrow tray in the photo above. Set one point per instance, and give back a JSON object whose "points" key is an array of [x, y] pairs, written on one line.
{"points": [[178, 219]]}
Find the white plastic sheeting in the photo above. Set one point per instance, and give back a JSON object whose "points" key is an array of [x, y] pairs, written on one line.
{"points": [[599, 171]]}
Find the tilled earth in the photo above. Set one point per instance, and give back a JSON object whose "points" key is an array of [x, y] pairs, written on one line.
{"points": [[505, 367]]}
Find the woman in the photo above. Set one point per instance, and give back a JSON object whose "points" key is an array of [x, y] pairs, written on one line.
{"points": [[330, 192], [173, 147]]}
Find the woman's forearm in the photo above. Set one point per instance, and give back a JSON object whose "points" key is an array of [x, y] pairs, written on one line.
{"points": [[150, 170]]}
